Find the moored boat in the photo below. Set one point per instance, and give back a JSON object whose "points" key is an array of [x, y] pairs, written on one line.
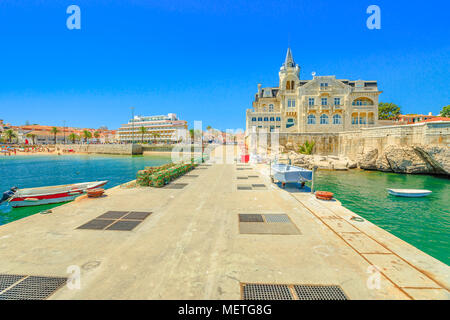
{"points": [[409, 193], [53, 194]]}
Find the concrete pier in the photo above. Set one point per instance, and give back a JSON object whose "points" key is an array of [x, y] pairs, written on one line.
{"points": [[194, 245]]}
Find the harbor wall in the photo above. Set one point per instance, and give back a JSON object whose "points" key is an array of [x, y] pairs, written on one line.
{"points": [[120, 149], [353, 143]]}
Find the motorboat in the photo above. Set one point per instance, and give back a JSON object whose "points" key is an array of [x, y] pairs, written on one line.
{"points": [[46, 195], [410, 193], [287, 173]]}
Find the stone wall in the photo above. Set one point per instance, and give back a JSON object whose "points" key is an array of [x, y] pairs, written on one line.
{"points": [[353, 143], [125, 149]]}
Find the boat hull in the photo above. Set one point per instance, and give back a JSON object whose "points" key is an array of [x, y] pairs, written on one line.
{"points": [[36, 199], [409, 194]]}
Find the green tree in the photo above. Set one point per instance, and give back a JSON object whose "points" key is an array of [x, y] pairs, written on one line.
{"points": [[445, 111], [388, 111], [208, 128], [143, 130], [54, 130], [86, 135], [9, 135], [32, 136], [73, 137], [96, 134], [307, 147]]}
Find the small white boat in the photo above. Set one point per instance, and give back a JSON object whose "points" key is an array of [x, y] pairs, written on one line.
{"points": [[410, 193], [54, 194]]}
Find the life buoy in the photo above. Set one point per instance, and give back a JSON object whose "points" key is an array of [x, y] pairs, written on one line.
{"points": [[324, 195]]}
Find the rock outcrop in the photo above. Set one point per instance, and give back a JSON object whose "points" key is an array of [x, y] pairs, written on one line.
{"points": [[408, 159], [417, 159]]}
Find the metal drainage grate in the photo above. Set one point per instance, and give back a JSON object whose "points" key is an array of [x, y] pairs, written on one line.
{"points": [[33, 288], [253, 176], [191, 176], [244, 188], [7, 280], [242, 178], [126, 221], [266, 292], [124, 225], [243, 168], [250, 218], [96, 224], [258, 185], [307, 292], [176, 186], [113, 215], [277, 218], [135, 215]]}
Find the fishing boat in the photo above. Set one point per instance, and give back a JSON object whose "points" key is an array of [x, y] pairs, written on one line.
{"points": [[53, 194], [409, 193], [286, 173]]}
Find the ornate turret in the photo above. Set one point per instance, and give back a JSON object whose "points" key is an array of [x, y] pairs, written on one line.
{"points": [[289, 71]]}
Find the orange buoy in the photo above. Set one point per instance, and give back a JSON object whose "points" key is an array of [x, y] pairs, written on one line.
{"points": [[95, 193], [324, 195]]}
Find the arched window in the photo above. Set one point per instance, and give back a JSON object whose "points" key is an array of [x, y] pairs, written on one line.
{"points": [[272, 118], [288, 85], [311, 119], [254, 119], [266, 118], [324, 119], [362, 102], [337, 119], [270, 107], [278, 118]]}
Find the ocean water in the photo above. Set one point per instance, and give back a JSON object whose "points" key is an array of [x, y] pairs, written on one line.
{"points": [[39, 171], [422, 222]]}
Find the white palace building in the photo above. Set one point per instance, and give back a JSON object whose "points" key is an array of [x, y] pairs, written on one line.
{"points": [[324, 104]]}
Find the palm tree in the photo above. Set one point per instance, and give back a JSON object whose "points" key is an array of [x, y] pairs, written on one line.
{"points": [[9, 135], [73, 137], [96, 135], [208, 128], [307, 147], [86, 135], [54, 130], [155, 135], [32, 136], [143, 130]]}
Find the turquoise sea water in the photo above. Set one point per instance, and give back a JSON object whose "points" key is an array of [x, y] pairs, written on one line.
{"points": [[422, 222], [38, 171]]}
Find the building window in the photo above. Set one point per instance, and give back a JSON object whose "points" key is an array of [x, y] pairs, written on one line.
{"points": [[272, 119], [290, 123], [324, 119], [324, 85], [362, 102], [362, 120], [290, 85], [291, 103], [324, 101], [311, 101], [278, 118], [337, 119], [311, 119], [270, 107], [266, 118], [337, 101], [259, 118], [254, 119]]}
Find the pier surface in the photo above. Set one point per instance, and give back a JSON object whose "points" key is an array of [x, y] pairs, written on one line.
{"points": [[193, 245]]}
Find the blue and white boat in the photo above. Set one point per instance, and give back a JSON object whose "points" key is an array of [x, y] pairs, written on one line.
{"points": [[286, 173], [409, 193]]}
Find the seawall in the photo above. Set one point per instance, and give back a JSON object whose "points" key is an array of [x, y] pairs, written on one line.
{"points": [[121, 149]]}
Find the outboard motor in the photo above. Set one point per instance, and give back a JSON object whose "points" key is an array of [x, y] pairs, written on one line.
{"points": [[8, 194]]}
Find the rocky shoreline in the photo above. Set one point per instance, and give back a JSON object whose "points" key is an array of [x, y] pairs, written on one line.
{"points": [[417, 159]]}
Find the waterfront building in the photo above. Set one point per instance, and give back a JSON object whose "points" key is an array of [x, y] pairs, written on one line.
{"points": [[160, 128], [417, 118], [323, 104]]}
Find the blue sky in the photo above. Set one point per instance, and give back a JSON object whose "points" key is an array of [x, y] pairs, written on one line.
{"points": [[203, 59]]}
